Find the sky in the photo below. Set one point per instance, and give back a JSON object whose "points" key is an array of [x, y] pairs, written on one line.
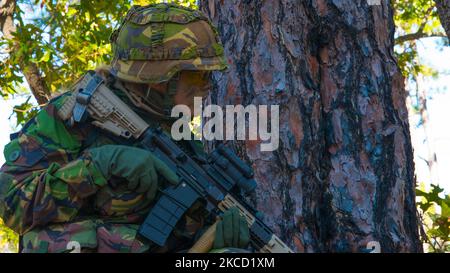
{"points": [[7, 120], [438, 104]]}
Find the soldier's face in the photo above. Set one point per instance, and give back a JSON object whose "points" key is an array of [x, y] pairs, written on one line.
{"points": [[192, 84]]}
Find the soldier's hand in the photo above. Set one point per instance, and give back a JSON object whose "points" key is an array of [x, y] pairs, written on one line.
{"points": [[139, 167], [232, 230]]}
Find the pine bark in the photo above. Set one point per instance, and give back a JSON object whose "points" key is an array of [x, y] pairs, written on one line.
{"points": [[344, 173], [443, 8]]}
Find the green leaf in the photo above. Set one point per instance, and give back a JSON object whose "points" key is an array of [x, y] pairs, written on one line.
{"points": [[81, 58], [46, 57]]}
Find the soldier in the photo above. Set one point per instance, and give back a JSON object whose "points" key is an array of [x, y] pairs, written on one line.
{"points": [[64, 186]]}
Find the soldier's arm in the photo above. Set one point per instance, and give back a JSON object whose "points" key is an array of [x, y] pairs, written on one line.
{"points": [[45, 179]]}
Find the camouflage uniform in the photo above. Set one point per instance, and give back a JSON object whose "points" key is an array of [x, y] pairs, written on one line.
{"points": [[50, 191]]}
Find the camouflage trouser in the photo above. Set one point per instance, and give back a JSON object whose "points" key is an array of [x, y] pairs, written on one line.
{"points": [[84, 236], [91, 236]]}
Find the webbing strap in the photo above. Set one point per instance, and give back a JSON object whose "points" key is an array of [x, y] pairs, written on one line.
{"points": [[157, 53]]}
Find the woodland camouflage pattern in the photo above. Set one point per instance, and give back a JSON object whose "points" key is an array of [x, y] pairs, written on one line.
{"points": [[155, 42], [50, 190]]}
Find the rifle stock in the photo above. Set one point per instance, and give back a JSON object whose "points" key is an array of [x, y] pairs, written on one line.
{"points": [[219, 183]]}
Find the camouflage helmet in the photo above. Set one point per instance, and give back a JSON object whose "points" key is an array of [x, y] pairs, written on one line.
{"points": [[155, 42]]}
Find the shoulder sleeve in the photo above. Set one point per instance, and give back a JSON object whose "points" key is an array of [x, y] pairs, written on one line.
{"points": [[45, 177]]}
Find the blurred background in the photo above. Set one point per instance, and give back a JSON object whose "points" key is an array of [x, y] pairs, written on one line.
{"points": [[72, 36]]}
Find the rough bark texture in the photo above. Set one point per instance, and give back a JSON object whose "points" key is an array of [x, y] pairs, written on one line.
{"points": [[443, 8], [344, 173], [30, 70], [37, 84], [6, 16]]}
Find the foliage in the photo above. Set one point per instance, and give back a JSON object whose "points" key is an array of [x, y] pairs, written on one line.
{"points": [[64, 38], [436, 208], [25, 111], [9, 240], [414, 19]]}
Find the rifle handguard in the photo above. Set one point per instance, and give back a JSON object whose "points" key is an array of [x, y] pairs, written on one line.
{"points": [[211, 183]]}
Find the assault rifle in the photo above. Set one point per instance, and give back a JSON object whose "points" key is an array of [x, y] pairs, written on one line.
{"points": [[220, 182]]}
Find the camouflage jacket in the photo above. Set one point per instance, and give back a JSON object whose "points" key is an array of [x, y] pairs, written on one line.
{"points": [[51, 194]]}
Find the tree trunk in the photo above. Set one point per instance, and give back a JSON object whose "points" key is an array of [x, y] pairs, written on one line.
{"points": [[38, 87], [343, 175], [443, 8]]}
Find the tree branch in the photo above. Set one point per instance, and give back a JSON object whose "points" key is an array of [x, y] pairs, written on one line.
{"points": [[7, 8], [418, 35], [37, 84], [420, 32]]}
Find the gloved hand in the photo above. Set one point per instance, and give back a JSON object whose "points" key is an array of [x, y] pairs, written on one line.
{"points": [[139, 167], [232, 230]]}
